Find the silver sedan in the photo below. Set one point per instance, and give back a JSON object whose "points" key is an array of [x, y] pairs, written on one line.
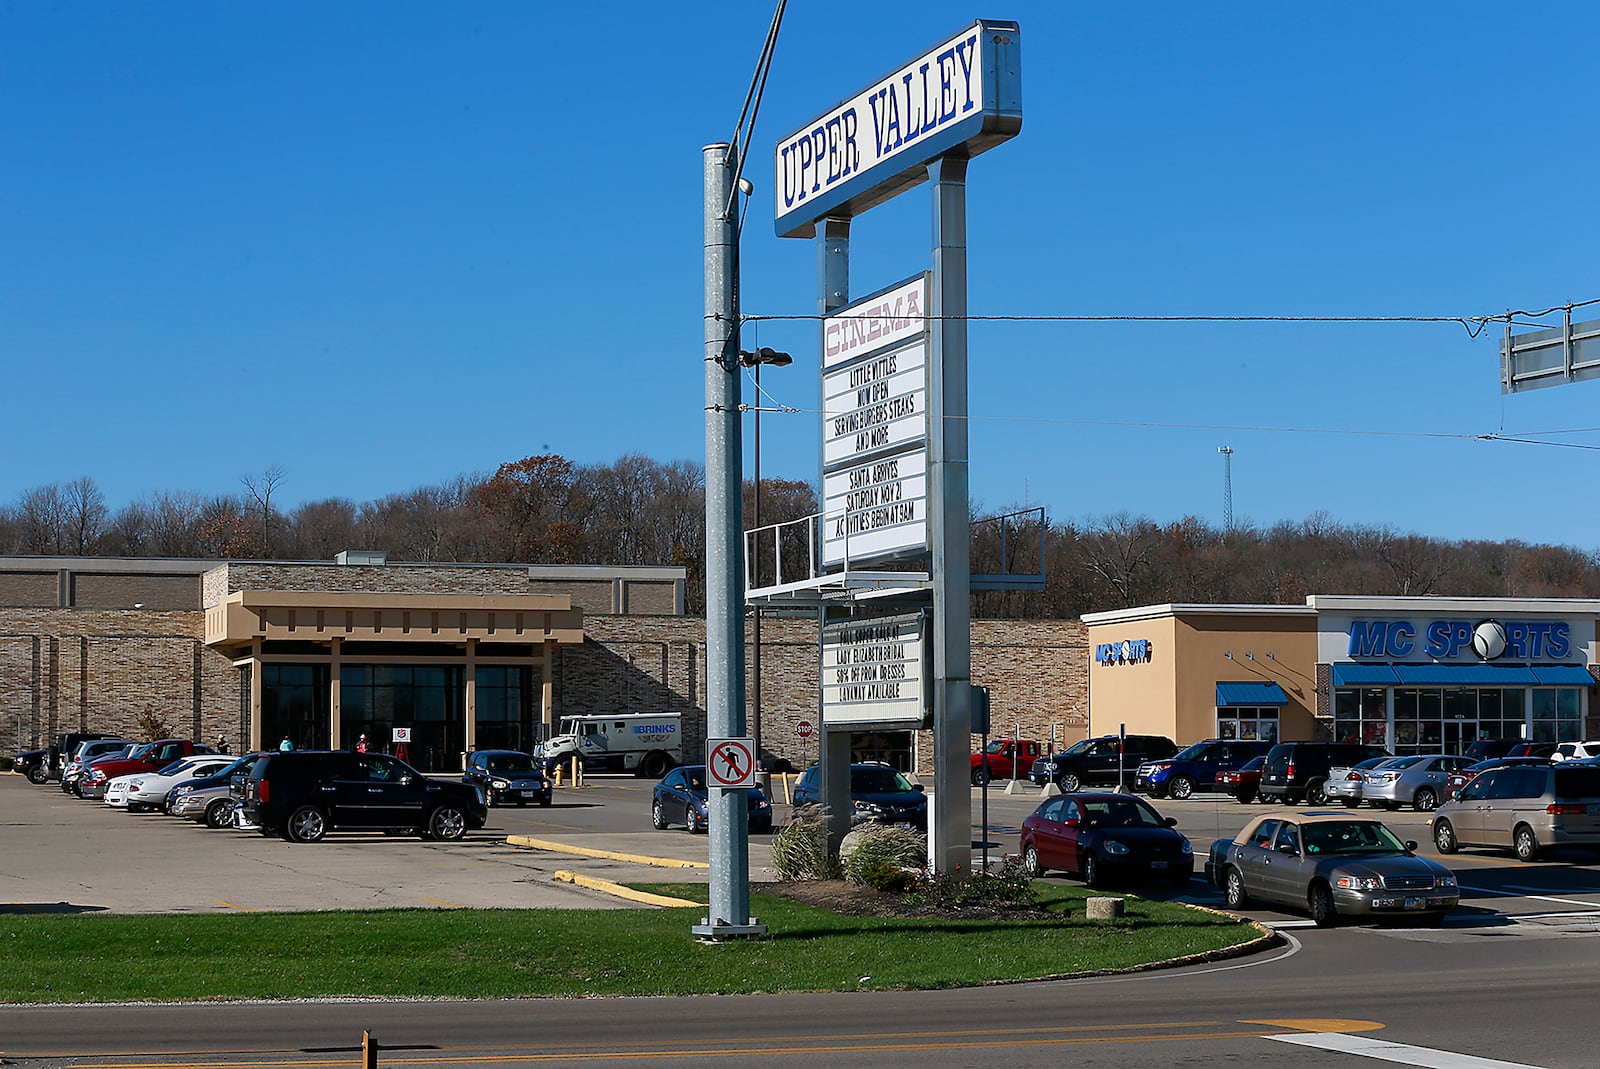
{"points": [[1344, 782], [1417, 780]]}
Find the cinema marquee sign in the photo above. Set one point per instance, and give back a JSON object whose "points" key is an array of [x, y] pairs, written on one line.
{"points": [[965, 92]]}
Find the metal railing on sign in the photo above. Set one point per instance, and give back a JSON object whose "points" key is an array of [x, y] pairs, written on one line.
{"points": [[783, 564]]}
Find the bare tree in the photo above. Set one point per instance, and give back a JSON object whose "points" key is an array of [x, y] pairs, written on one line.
{"points": [[261, 488], [84, 514]]}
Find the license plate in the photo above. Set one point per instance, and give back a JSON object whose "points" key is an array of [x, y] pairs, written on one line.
{"points": [[1416, 902], [1157, 866], [529, 794]]}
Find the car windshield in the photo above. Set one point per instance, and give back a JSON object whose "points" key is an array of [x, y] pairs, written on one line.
{"points": [[1078, 747], [173, 769], [1350, 837], [1191, 753], [1372, 762], [1123, 813], [878, 779], [996, 746], [144, 751], [511, 764]]}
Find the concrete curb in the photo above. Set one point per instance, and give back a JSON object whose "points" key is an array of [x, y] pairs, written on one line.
{"points": [[620, 891], [609, 855]]}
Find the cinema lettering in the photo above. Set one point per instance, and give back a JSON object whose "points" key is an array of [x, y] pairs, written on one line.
{"points": [[1443, 640]]}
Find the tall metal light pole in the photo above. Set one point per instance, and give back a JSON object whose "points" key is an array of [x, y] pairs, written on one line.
{"points": [[1227, 486], [763, 355]]}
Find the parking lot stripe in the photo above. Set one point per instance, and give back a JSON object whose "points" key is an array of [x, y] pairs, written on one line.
{"points": [[1403, 1053], [1529, 892], [609, 855], [596, 884]]}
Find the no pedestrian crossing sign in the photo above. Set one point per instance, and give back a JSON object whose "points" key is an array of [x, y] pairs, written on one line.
{"points": [[731, 763]]}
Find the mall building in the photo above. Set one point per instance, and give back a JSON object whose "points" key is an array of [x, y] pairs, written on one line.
{"points": [[459, 656], [1414, 674]]}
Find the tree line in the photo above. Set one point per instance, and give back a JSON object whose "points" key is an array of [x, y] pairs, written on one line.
{"points": [[638, 511]]}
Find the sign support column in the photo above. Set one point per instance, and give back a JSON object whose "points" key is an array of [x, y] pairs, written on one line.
{"points": [[950, 836], [833, 748]]}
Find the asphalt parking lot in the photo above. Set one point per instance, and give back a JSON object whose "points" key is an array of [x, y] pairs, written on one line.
{"points": [[59, 854]]}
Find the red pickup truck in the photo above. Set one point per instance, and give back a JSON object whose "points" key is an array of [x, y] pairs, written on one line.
{"points": [[151, 757], [1005, 759]]}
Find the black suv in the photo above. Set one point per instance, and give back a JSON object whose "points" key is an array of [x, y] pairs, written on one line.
{"points": [[1099, 762], [304, 794], [1297, 770], [1195, 768], [42, 766]]}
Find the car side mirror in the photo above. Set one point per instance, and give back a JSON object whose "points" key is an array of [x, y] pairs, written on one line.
{"points": [[1171, 822], [1285, 848], [1411, 846]]}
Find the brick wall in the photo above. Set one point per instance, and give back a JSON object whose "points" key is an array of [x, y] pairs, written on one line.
{"points": [[36, 590], [125, 590], [363, 578]]}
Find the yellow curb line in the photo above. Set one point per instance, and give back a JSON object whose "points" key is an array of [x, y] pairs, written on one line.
{"points": [[620, 891], [610, 855]]}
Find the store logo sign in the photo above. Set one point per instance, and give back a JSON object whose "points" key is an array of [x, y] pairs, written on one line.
{"points": [[1128, 651], [1444, 639]]}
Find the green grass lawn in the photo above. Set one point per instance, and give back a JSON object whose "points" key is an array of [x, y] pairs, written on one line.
{"points": [[563, 952]]}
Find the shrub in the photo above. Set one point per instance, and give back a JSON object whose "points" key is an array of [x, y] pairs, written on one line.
{"points": [[800, 850], [1010, 886], [884, 858]]}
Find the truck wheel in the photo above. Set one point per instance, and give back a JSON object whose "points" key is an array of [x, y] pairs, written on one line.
{"points": [[1180, 787], [653, 766], [980, 776], [305, 825], [1069, 782], [446, 823], [38, 774]]}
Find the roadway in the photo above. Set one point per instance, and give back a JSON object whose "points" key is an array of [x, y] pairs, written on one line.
{"points": [[1504, 983]]}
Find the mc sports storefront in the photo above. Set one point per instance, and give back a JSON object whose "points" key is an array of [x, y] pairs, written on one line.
{"points": [[1417, 675]]}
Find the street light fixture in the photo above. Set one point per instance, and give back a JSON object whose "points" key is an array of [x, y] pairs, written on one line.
{"points": [[763, 355]]}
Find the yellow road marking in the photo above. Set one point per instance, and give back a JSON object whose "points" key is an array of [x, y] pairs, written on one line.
{"points": [[1322, 1024], [439, 902], [609, 855], [26, 908], [230, 905], [620, 891]]}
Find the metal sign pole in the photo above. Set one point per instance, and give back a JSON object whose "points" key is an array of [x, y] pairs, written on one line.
{"points": [[729, 847]]}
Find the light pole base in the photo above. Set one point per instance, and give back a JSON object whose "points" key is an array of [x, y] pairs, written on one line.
{"points": [[724, 930]]}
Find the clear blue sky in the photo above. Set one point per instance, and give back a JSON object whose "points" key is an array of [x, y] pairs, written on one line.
{"points": [[382, 244]]}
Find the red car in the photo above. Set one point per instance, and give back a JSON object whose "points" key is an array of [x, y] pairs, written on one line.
{"points": [[1241, 782], [1463, 776], [150, 757]]}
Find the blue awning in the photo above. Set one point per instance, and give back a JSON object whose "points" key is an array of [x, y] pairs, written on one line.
{"points": [[1363, 675], [1564, 675], [1464, 675], [1250, 694]]}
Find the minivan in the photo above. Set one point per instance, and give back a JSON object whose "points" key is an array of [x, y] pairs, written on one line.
{"points": [[1528, 808]]}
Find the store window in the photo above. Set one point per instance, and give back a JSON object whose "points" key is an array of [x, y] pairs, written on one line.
{"points": [[1558, 715], [374, 699], [1249, 723], [506, 696], [294, 705]]}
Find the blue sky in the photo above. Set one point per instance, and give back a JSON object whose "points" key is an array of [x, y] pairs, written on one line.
{"points": [[380, 245]]}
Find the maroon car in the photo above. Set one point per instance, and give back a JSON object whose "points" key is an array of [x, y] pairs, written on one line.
{"points": [[1463, 776], [1241, 782], [150, 757]]}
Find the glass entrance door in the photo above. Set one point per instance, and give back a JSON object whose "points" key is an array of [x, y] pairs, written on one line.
{"points": [[1458, 735]]}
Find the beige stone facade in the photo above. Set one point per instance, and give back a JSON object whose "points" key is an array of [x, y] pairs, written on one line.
{"points": [[92, 644]]}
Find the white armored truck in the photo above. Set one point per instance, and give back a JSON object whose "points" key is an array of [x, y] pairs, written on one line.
{"points": [[646, 744]]}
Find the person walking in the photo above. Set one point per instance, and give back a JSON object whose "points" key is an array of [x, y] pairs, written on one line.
{"points": [[285, 746], [361, 745]]}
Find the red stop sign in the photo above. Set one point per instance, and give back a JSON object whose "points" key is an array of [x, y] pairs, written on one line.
{"points": [[803, 729]]}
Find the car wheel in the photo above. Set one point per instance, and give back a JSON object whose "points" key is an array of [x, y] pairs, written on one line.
{"points": [[546, 800], [1070, 782], [219, 814], [1444, 837], [1525, 843], [658, 815], [1315, 795], [980, 776], [1180, 787], [305, 825], [446, 824], [1030, 863], [692, 821], [77, 790], [1323, 912], [1091, 871], [1425, 800], [38, 774], [1245, 797], [1233, 890]]}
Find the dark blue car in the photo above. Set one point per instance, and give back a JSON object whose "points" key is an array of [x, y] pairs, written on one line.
{"points": [[1195, 768], [877, 792], [680, 798]]}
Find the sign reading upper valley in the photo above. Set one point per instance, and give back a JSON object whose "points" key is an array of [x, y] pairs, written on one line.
{"points": [[965, 92], [874, 672], [875, 376]]}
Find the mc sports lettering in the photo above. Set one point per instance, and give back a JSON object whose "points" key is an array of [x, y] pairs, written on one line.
{"points": [[891, 116], [1128, 651], [1442, 639]]}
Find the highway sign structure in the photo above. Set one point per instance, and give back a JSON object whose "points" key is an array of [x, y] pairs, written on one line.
{"points": [[1553, 357]]}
